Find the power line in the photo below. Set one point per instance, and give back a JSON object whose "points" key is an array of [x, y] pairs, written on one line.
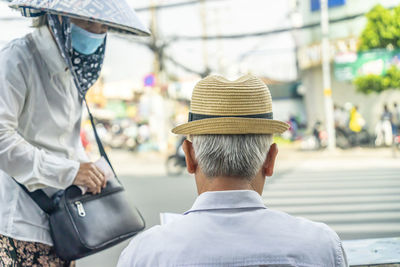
{"points": [[186, 68], [179, 4], [263, 33]]}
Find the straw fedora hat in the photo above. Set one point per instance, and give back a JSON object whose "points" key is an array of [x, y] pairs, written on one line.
{"points": [[220, 106]]}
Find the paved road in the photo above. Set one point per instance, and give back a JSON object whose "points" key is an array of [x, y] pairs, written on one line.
{"points": [[359, 198], [355, 203]]}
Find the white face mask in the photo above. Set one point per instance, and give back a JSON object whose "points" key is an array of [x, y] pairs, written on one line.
{"points": [[85, 42]]}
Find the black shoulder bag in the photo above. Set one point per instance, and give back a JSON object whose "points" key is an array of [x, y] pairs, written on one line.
{"points": [[81, 225]]}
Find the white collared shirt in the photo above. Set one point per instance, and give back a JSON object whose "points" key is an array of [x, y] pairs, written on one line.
{"points": [[234, 228], [40, 114]]}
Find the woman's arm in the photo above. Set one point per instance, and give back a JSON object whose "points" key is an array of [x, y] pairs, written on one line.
{"points": [[29, 165]]}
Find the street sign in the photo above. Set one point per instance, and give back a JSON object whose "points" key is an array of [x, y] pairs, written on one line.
{"points": [[149, 80], [316, 4], [376, 61]]}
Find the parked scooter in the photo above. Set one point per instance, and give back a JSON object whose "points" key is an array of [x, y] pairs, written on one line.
{"points": [[345, 138]]}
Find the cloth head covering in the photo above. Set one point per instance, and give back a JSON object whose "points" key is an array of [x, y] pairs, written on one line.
{"points": [[84, 68], [116, 14], [220, 106]]}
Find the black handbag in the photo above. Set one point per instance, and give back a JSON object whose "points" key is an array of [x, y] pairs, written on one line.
{"points": [[81, 225]]}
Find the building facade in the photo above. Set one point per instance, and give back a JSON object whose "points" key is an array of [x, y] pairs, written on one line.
{"points": [[347, 23]]}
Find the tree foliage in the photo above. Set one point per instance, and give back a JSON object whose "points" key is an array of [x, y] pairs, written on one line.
{"points": [[377, 83], [382, 31]]}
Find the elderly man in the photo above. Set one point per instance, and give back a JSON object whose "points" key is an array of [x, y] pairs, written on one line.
{"points": [[230, 153]]}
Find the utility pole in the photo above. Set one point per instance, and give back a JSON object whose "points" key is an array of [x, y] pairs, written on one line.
{"points": [[203, 14], [153, 29], [326, 75], [297, 22]]}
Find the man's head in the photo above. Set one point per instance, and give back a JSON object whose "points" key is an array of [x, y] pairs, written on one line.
{"points": [[230, 127], [230, 162]]}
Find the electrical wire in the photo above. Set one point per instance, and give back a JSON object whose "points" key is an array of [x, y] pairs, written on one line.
{"points": [[179, 4], [263, 33]]}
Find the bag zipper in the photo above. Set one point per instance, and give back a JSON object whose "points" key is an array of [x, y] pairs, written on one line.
{"points": [[81, 210]]}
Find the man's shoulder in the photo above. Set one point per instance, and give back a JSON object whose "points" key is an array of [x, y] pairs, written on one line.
{"points": [[146, 246], [301, 233], [300, 223], [131, 254]]}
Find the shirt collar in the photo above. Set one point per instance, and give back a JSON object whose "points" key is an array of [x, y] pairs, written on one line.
{"points": [[48, 49], [234, 199]]}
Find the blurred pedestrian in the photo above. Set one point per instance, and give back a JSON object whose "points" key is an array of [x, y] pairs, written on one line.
{"points": [[383, 129], [44, 77], [230, 152], [316, 131], [294, 127], [356, 122], [396, 118], [341, 117]]}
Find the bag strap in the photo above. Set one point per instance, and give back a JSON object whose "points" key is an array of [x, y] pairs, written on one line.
{"points": [[39, 196], [98, 140]]}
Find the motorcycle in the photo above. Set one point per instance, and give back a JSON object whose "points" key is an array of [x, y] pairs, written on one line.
{"points": [[176, 163]]}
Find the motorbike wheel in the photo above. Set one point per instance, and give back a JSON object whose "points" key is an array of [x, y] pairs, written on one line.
{"points": [[396, 150], [342, 141], [173, 166]]}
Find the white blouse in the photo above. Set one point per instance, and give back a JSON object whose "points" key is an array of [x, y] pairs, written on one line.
{"points": [[40, 146]]}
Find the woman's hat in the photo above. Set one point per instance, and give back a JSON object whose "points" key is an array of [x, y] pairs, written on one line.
{"points": [[116, 14], [220, 106]]}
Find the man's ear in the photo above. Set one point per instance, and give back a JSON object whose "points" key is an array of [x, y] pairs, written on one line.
{"points": [[191, 163], [269, 163]]}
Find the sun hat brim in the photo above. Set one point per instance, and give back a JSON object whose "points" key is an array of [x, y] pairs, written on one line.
{"points": [[116, 14], [232, 125]]}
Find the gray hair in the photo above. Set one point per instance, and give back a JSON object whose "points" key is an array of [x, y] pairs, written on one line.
{"points": [[238, 156], [39, 21]]}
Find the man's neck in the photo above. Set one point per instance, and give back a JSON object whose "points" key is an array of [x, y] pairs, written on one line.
{"points": [[225, 183]]}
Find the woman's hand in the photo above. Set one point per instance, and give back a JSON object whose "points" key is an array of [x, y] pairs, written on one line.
{"points": [[91, 177]]}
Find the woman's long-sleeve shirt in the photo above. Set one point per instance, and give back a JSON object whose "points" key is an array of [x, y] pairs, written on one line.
{"points": [[40, 114]]}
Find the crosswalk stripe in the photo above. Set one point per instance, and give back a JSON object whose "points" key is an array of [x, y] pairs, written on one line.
{"points": [[329, 200], [338, 179], [358, 217], [334, 184], [339, 175], [366, 228], [320, 209], [357, 202], [334, 192]]}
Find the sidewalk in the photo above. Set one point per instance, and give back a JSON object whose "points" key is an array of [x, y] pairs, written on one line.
{"points": [[128, 163], [290, 158]]}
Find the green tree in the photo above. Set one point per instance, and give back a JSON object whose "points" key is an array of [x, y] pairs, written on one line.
{"points": [[382, 31], [369, 83], [379, 31]]}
